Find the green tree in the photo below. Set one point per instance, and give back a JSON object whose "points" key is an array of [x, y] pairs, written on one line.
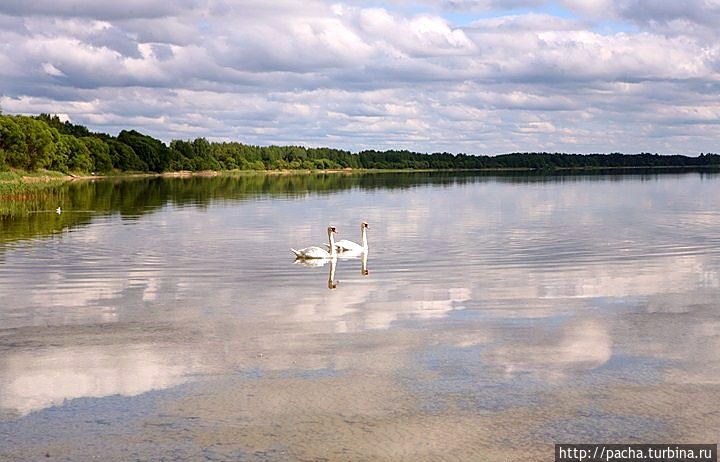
{"points": [[124, 158], [62, 154], [99, 152], [12, 141], [65, 128], [150, 150], [30, 143], [79, 158], [40, 140]]}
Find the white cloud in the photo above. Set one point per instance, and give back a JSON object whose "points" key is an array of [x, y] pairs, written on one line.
{"points": [[97, 9], [52, 70], [481, 5], [350, 76], [592, 8]]}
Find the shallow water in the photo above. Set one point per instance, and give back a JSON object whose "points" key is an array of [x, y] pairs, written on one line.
{"points": [[165, 319]]}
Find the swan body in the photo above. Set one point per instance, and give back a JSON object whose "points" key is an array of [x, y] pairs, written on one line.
{"points": [[58, 210], [315, 252], [345, 245], [348, 246]]}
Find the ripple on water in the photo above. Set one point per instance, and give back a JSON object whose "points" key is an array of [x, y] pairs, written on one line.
{"points": [[495, 317]]}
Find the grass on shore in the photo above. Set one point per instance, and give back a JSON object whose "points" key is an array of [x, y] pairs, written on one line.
{"points": [[16, 184], [39, 175]]}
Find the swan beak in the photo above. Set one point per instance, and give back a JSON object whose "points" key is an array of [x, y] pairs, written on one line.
{"points": [[333, 230]]}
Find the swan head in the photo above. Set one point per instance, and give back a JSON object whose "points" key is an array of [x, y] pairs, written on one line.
{"points": [[364, 225], [331, 230]]}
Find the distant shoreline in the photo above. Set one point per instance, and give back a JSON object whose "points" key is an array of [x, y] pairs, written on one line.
{"points": [[52, 176], [48, 175], [23, 185]]}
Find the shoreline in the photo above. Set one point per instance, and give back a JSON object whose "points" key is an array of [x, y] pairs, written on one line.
{"points": [[52, 175], [351, 171], [20, 185]]}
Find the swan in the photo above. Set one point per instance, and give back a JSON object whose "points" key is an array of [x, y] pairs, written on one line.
{"points": [[349, 246], [318, 252], [58, 210]]}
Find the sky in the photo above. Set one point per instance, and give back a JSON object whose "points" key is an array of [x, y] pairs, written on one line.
{"points": [[471, 76]]}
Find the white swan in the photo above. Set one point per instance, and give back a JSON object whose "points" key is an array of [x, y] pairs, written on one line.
{"points": [[58, 210], [349, 246], [318, 252]]}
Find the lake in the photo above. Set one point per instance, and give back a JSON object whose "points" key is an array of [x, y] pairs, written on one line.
{"points": [[495, 315]]}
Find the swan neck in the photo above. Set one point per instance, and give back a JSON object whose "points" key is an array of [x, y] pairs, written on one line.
{"points": [[363, 237]]}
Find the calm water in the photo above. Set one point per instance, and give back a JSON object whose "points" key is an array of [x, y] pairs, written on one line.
{"points": [[166, 320]]}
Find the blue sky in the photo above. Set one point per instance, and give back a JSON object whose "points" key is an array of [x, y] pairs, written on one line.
{"points": [[462, 18], [474, 76]]}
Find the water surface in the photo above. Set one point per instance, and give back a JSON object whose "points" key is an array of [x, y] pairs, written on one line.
{"points": [[494, 316]]}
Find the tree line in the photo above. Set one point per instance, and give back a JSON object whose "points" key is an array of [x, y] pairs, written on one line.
{"points": [[46, 142]]}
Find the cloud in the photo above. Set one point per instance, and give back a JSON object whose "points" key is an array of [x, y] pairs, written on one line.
{"points": [[697, 18], [592, 8], [97, 9], [705, 12], [480, 5], [403, 74], [52, 70]]}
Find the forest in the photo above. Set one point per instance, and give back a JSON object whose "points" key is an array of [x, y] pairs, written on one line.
{"points": [[31, 143]]}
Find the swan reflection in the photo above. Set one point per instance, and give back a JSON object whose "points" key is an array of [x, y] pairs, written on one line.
{"points": [[314, 263], [362, 256], [332, 283], [320, 262]]}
